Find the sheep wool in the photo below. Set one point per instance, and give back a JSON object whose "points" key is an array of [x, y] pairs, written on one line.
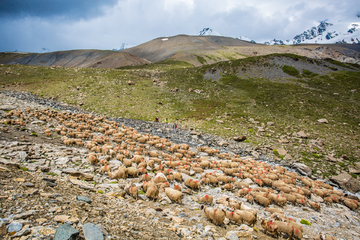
{"points": [[206, 199], [133, 191], [247, 217], [216, 215], [152, 192], [173, 194]]}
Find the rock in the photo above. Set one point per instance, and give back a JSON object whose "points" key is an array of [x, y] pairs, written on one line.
{"points": [[270, 123], [3, 230], [14, 227], [239, 139], [261, 129], [323, 120], [231, 236], [23, 232], [83, 199], [301, 134], [66, 232], [65, 218], [302, 168], [7, 107], [222, 143], [92, 232], [347, 182], [102, 229], [282, 151], [24, 215], [220, 121]]}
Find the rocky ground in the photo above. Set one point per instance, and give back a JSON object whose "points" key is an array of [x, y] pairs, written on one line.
{"points": [[49, 190]]}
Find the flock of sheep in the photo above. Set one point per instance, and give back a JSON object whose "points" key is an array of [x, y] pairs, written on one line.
{"points": [[142, 155]]}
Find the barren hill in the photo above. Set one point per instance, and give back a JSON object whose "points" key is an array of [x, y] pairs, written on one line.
{"points": [[75, 58], [163, 48]]}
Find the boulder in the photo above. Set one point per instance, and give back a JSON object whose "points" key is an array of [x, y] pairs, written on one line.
{"points": [[323, 120], [66, 232], [302, 168], [92, 232], [239, 139], [347, 182]]}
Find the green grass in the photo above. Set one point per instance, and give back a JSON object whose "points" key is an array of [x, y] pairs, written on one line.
{"points": [[290, 70], [201, 59]]}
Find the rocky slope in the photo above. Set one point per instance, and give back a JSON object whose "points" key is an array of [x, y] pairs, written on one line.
{"points": [[75, 58], [50, 189]]}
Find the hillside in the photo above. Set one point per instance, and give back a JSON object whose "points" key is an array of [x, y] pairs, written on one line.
{"points": [[228, 99], [74, 58]]}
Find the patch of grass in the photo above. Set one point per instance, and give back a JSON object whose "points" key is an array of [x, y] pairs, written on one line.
{"points": [[290, 70], [33, 134], [276, 152], [24, 169], [304, 221], [100, 191], [308, 74], [201, 59], [141, 192], [52, 174]]}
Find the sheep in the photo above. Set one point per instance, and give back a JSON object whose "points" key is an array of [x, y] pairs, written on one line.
{"points": [[104, 169], [207, 199], [261, 200], [173, 194], [146, 177], [273, 210], [147, 185], [223, 200], [228, 186], [162, 186], [241, 185], [198, 170], [133, 191], [233, 203], [243, 206], [250, 198], [104, 162], [301, 201], [120, 157], [270, 227], [234, 217], [205, 181], [93, 159], [151, 163], [244, 191], [133, 172], [193, 184], [314, 205], [120, 173], [328, 200], [289, 197], [177, 187], [350, 204], [324, 237], [159, 179], [127, 162], [246, 217], [284, 227], [216, 215], [170, 177], [152, 192]]}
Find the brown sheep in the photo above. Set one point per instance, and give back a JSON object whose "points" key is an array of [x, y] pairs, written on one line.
{"points": [[146, 177], [105, 169], [216, 215], [93, 159], [350, 204], [250, 198], [241, 185], [234, 217], [301, 201], [314, 205], [206, 199], [289, 197], [159, 179], [261, 200], [127, 162], [273, 210], [177, 187], [120, 173], [152, 192], [133, 172], [173, 194], [247, 217], [133, 191], [193, 184], [205, 181], [228, 187], [244, 191], [270, 227]]}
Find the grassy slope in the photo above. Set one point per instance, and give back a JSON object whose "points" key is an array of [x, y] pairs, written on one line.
{"points": [[294, 104]]}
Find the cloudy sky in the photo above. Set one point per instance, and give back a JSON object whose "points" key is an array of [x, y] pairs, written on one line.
{"points": [[31, 25]]}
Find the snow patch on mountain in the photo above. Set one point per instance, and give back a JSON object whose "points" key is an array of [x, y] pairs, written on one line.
{"points": [[209, 31], [124, 46]]}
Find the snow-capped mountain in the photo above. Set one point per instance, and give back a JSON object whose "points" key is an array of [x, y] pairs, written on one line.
{"points": [[124, 46], [209, 31], [325, 32]]}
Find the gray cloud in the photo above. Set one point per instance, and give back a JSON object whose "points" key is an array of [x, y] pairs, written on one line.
{"points": [[108, 24], [70, 9]]}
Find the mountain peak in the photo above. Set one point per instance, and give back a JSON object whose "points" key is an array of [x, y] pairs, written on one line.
{"points": [[209, 31]]}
